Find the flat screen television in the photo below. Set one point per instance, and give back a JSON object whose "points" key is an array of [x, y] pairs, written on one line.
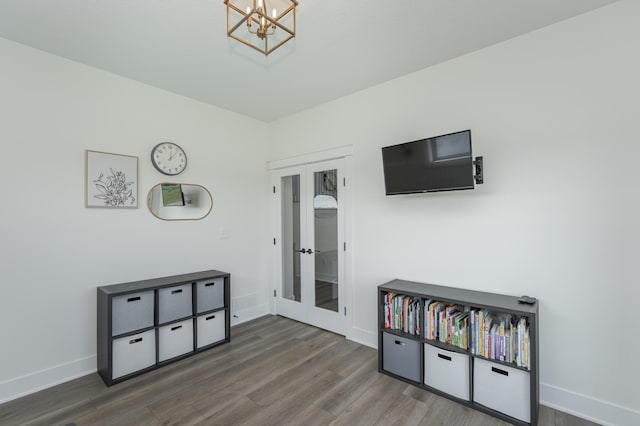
{"points": [[440, 163]]}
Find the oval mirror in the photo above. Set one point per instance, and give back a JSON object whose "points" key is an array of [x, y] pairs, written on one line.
{"points": [[179, 201]]}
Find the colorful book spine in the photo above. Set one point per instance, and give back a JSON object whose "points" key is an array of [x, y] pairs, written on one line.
{"points": [[480, 332], [472, 315], [488, 319]]}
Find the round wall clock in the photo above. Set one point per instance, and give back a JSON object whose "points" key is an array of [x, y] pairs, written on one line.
{"points": [[168, 158]]}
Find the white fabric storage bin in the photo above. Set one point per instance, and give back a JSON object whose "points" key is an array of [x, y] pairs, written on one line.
{"points": [[210, 329], [502, 388], [447, 371], [174, 303], [175, 339], [133, 353], [131, 312], [210, 294]]}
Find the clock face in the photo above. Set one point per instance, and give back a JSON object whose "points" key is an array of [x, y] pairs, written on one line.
{"points": [[169, 158]]}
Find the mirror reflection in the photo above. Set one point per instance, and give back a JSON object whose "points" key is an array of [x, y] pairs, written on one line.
{"points": [[179, 201]]}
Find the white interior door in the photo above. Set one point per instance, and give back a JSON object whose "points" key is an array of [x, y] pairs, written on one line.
{"points": [[310, 259]]}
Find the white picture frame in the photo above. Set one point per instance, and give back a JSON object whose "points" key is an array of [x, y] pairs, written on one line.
{"points": [[111, 180]]}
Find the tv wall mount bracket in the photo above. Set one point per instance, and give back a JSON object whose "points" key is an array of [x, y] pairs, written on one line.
{"points": [[479, 176]]}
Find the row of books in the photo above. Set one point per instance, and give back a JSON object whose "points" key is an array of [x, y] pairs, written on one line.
{"points": [[495, 336], [447, 324], [502, 337], [402, 313]]}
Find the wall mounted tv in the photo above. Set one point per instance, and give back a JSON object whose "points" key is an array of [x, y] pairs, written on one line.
{"points": [[440, 163]]}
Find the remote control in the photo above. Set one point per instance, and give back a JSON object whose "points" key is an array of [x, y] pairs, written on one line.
{"points": [[527, 299]]}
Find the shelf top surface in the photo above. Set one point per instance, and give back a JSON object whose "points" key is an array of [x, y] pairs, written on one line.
{"points": [[162, 282], [460, 296]]}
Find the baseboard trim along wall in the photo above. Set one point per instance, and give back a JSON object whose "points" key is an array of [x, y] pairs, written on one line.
{"points": [[587, 407], [248, 314], [45, 378], [364, 337]]}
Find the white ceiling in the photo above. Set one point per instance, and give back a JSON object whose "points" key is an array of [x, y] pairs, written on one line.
{"points": [[341, 46]]}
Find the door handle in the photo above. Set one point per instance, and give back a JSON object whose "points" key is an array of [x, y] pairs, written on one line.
{"points": [[308, 251], [499, 371], [445, 357]]}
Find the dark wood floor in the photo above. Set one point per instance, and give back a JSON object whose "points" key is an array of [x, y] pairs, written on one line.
{"points": [[274, 371]]}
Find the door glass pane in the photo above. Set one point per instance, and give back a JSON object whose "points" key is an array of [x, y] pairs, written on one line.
{"points": [[325, 218], [291, 237]]}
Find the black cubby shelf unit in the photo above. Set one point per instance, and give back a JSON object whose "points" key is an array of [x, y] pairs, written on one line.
{"points": [[506, 388], [144, 325]]}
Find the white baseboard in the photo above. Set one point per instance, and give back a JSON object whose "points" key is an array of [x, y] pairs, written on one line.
{"points": [[45, 378], [248, 314], [363, 337], [586, 407]]}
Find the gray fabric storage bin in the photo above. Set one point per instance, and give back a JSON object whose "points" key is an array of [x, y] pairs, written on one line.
{"points": [[210, 329], [401, 356], [447, 371], [174, 303], [175, 339], [513, 399], [210, 294], [133, 353], [132, 312]]}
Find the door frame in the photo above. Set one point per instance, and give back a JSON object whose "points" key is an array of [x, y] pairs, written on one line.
{"points": [[345, 153]]}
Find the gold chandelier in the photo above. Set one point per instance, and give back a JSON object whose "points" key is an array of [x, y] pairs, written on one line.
{"points": [[249, 22]]}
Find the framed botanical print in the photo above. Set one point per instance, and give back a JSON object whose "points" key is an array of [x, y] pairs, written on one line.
{"points": [[111, 180]]}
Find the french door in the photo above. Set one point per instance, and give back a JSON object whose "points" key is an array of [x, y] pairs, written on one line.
{"points": [[309, 276]]}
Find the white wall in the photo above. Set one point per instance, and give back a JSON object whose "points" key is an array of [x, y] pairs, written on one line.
{"points": [[555, 115], [55, 252]]}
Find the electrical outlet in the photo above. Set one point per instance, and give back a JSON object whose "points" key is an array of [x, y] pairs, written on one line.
{"points": [[224, 234]]}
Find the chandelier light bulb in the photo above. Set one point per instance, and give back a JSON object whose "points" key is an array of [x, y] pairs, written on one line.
{"points": [[248, 10], [259, 3], [274, 14]]}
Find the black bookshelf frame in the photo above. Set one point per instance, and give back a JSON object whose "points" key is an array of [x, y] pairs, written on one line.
{"points": [[105, 338], [493, 302]]}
